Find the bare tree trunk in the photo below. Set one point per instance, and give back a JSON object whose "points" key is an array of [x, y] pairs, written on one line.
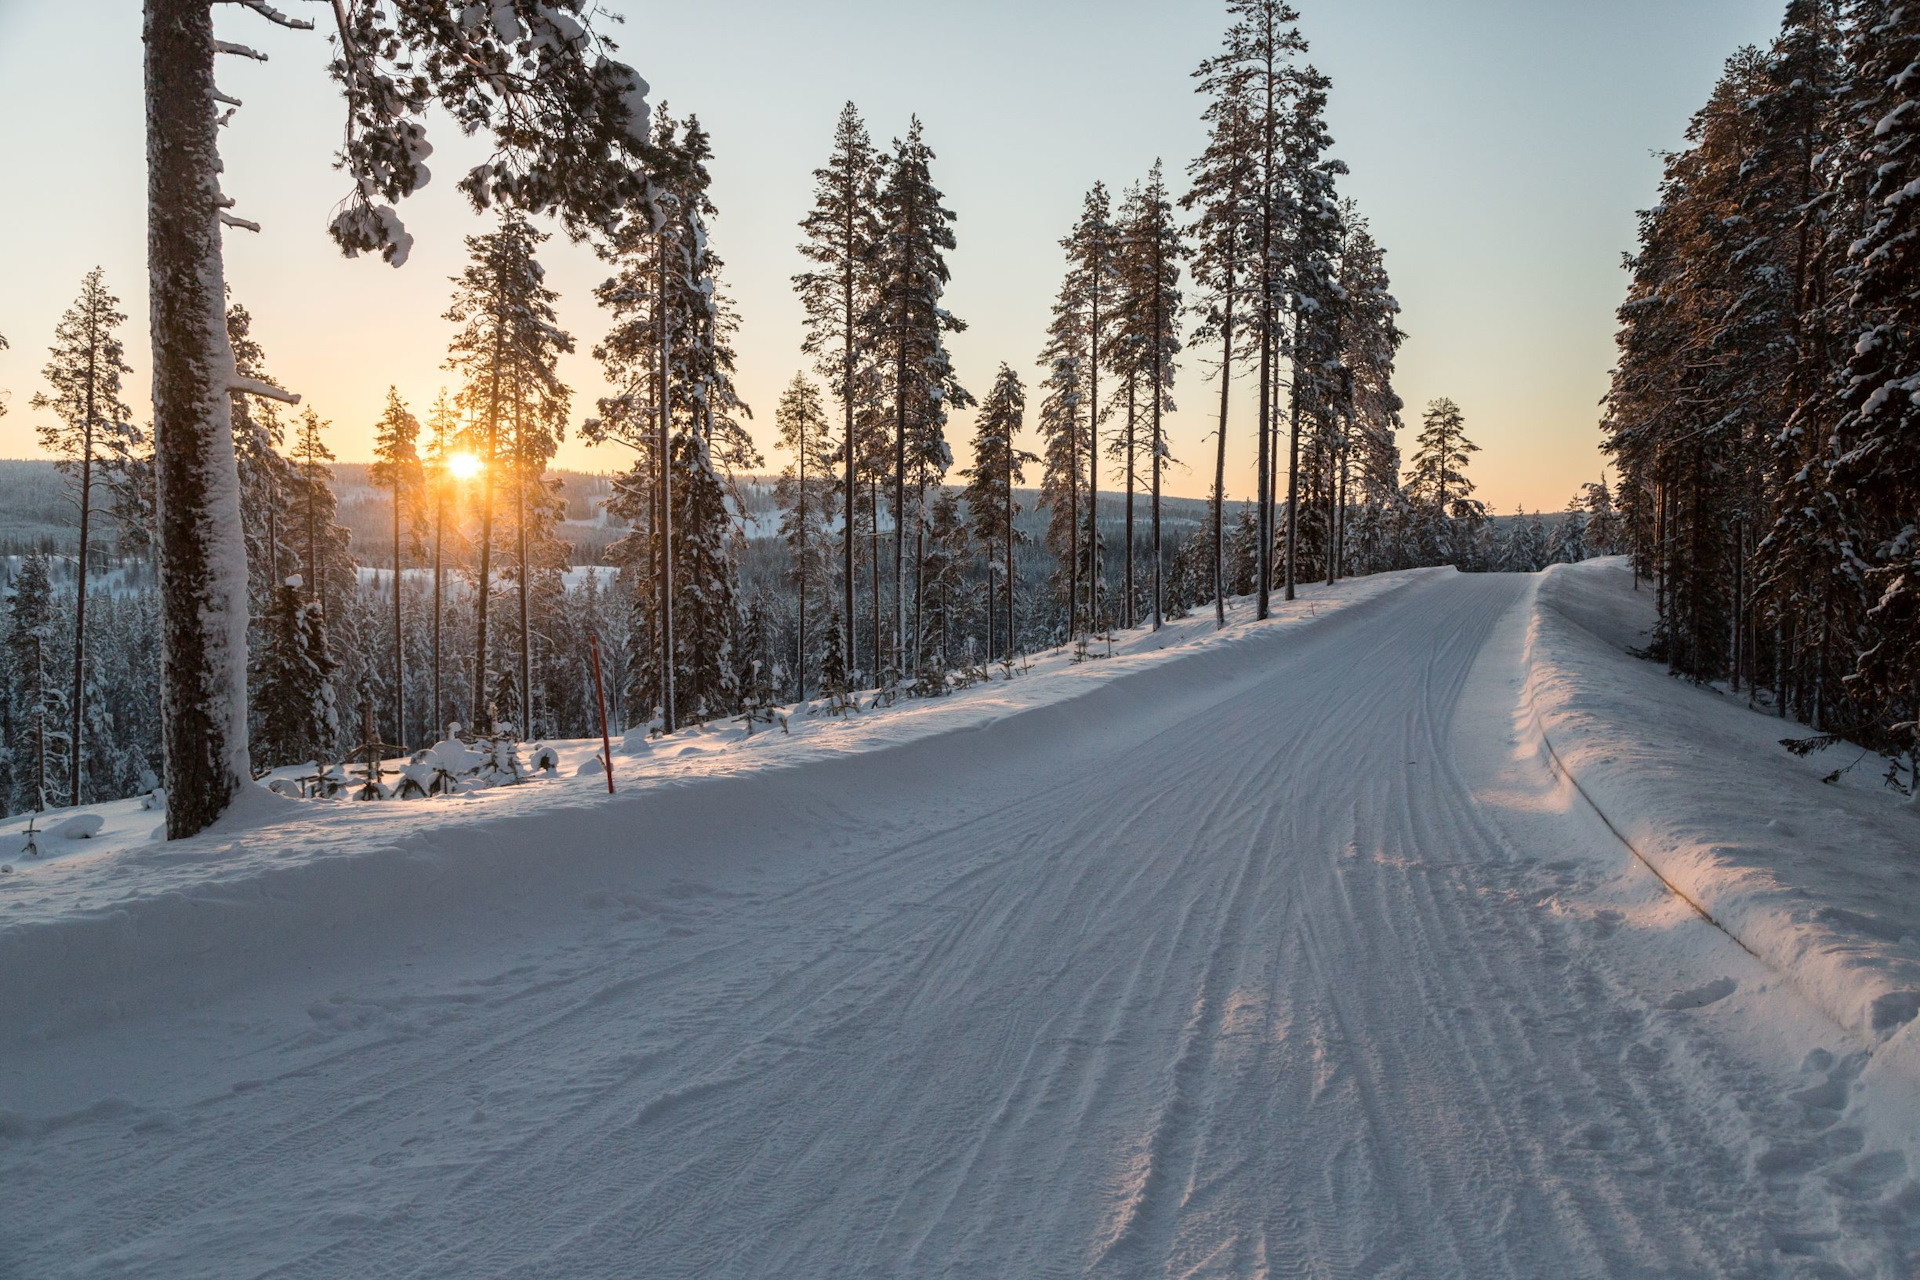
{"points": [[1093, 450], [1159, 556], [203, 574]]}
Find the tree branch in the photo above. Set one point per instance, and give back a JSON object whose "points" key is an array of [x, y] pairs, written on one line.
{"points": [[238, 50], [254, 387], [272, 14], [228, 220]]}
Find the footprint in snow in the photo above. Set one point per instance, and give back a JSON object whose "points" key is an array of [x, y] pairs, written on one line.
{"points": [[1700, 997]]}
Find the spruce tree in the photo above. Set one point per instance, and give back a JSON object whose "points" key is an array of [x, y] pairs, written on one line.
{"points": [[998, 466], [84, 372], [804, 492], [1315, 299], [506, 349], [397, 469], [36, 709], [299, 720], [838, 295], [1150, 331], [909, 324]]}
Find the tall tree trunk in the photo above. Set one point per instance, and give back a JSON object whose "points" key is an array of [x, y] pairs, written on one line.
{"points": [[1293, 480], [800, 664], [80, 585], [399, 653], [669, 720], [849, 251], [1010, 549], [520, 558], [439, 522], [1159, 556], [1093, 447], [1126, 608], [203, 573], [1220, 457]]}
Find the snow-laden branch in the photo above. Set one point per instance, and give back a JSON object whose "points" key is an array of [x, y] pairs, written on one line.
{"points": [[228, 220], [230, 101], [254, 387], [238, 50], [272, 14]]}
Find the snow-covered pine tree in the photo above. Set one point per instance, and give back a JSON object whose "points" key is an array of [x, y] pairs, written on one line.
{"points": [[1373, 338], [1437, 479], [948, 553], [909, 327], [1226, 234], [36, 707], [1314, 296], [397, 469], [1063, 428], [1876, 452], [703, 581], [84, 371], [505, 349], [1253, 76], [571, 126], [1083, 319], [1567, 543], [1153, 248], [265, 476], [805, 494], [439, 475], [998, 466], [838, 295], [1600, 532], [298, 717]]}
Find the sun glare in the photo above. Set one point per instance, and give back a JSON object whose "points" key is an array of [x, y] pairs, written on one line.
{"points": [[463, 466]]}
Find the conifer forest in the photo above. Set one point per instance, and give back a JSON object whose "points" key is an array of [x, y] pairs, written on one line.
{"points": [[1110, 638]]}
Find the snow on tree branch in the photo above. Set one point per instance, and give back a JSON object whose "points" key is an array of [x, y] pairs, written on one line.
{"points": [[238, 50], [255, 387], [571, 124], [229, 220], [272, 14]]}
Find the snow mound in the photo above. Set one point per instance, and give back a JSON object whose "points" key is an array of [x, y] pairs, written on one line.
{"points": [[1814, 878]]}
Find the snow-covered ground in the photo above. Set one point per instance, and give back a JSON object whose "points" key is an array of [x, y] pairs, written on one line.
{"points": [[1280, 951]]}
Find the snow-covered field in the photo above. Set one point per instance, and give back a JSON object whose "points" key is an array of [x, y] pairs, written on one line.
{"points": [[1283, 950]]}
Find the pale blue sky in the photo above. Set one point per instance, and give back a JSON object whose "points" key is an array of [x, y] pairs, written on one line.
{"points": [[1500, 149]]}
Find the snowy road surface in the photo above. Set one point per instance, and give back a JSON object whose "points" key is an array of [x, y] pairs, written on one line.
{"points": [[1275, 960]]}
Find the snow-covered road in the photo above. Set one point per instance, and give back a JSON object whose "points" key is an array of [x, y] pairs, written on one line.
{"points": [[1274, 960]]}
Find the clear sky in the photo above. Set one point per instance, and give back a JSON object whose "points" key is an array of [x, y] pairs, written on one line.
{"points": [[1499, 148]]}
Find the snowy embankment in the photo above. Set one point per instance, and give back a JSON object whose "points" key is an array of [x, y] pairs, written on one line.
{"points": [[99, 927], [1820, 881]]}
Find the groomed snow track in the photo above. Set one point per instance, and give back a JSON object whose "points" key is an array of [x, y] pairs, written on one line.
{"points": [[1227, 968]]}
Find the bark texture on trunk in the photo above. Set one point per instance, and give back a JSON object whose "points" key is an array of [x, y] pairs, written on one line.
{"points": [[203, 574]]}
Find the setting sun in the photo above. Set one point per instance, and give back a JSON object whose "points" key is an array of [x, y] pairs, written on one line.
{"points": [[463, 466]]}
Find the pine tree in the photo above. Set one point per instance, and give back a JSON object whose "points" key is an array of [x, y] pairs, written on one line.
{"points": [[440, 473], [909, 325], [1150, 331], [1315, 299], [1254, 76], [87, 361], [998, 465], [804, 494], [506, 349], [1876, 451], [397, 469], [1437, 480], [1226, 191], [36, 708], [839, 297], [299, 720]]}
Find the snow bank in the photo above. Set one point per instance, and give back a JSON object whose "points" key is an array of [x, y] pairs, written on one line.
{"points": [[1820, 881], [95, 929]]}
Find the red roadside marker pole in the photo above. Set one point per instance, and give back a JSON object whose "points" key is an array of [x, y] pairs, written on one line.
{"points": [[600, 693]]}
